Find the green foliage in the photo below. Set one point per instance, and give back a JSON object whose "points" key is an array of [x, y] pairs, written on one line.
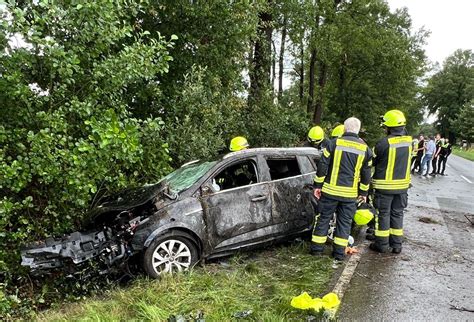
{"points": [[465, 122], [450, 93], [376, 63], [466, 154], [276, 125], [204, 116], [66, 133]]}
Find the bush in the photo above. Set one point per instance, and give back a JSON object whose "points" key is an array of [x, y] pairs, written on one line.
{"points": [[67, 134]]}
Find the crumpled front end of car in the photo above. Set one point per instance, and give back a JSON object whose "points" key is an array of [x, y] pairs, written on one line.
{"points": [[110, 246]]}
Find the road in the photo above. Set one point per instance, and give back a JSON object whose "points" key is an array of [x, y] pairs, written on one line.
{"points": [[433, 277], [453, 192]]}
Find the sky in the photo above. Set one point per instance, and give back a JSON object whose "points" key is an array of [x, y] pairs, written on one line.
{"points": [[451, 24]]}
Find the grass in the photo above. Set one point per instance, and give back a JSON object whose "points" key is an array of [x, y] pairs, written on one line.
{"points": [[264, 283], [466, 154]]}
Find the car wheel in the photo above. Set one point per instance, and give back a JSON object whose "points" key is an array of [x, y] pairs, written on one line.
{"points": [[170, 254]]}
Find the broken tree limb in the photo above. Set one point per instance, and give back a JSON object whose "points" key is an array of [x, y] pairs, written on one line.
{"points": [[460, 308]]}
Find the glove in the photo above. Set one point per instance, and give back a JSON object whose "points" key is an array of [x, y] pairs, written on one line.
{"points": [[317, 193]]}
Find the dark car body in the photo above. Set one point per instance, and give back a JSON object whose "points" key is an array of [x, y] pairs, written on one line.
{"points": [[243, 199]]}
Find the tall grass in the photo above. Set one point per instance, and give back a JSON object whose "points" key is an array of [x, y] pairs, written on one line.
{"points": [[466, 154], [262, 282]]}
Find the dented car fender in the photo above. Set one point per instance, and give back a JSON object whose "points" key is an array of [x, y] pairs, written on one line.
{"points": [[185, 215]]}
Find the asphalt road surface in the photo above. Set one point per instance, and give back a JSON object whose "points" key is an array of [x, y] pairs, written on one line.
{"points": [[433, 277], [453, 192]]}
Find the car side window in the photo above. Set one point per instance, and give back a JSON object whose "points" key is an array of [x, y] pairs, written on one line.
{"points": [[236, 175], [283, 168]]}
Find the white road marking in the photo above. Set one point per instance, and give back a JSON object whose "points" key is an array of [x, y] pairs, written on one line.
{"points": [[466, 179]]}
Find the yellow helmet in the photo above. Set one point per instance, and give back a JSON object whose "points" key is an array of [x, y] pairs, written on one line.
{"points": [[394, 118], [338, 131], [364, 214], [238, 143], [316, 134]]}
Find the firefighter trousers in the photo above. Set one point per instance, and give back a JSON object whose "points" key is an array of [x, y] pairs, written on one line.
{"points": [[345, 211], [389, 219]]}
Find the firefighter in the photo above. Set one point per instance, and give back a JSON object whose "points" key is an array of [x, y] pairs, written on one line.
{"points": [[391, 181], [238, 143], [343, 176], [316, 138], [338, 131]]}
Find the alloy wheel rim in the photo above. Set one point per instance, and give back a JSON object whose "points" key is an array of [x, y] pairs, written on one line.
{"points": [[171, 256]]}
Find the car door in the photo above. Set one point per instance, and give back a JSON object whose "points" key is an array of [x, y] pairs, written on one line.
{"points": [[291, 177], [237, 206]]}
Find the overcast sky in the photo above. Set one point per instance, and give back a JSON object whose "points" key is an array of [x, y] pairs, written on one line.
{"points": [[451, 24]]}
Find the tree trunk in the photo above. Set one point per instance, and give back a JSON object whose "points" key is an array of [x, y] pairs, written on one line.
{"points": [[312, 72], [301, 72], [318, 111], [281, 59], [260, 71], [273, 66], [342, 100]]}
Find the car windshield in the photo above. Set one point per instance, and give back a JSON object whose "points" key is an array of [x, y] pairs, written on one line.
{"points": [[187, 175]]}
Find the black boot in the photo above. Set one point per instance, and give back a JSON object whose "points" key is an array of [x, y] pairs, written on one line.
{"points": [[396, 250], [376, 248]]}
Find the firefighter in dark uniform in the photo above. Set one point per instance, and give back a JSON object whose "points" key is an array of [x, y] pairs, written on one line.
{"points": [[338, 131], [391, 181], [342, 177], [316, 138]]}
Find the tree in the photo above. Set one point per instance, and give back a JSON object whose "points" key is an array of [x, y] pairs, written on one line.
{"points": [[450, 90], [260, 68], [466, 121], [67, 133]]}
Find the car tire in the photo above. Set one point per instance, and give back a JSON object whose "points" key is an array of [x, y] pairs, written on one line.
{"points": [[170, 253]]}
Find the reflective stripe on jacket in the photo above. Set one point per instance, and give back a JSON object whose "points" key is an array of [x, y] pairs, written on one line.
{"points": [[344, 169], [392, 164]]}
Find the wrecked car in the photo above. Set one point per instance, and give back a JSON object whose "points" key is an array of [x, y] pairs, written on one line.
{"points": [[203, 210]]}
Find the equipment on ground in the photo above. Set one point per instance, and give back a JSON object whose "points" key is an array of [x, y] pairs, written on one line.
{"points": [[364, 214]]}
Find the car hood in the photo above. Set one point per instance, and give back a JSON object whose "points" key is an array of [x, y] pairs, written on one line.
{"points": [[126, 200]]}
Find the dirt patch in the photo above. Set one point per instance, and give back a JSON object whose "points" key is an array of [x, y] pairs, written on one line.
{"points": [[428, 220]]}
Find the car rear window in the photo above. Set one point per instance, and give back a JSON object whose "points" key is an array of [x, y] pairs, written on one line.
{"points": [[283, 168]]}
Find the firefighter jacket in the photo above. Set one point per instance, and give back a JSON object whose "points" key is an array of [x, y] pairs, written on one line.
{"points": [[392, 162], [344, 170]]}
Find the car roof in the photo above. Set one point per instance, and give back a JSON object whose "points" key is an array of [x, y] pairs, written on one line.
{"points": [[275, 151]]}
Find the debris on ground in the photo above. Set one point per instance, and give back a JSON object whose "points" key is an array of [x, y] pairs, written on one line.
{"points": [[304, 301], [460, 308], [351, 250], [242, 314], [470, 218], [428, 220], [198, 317]]}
